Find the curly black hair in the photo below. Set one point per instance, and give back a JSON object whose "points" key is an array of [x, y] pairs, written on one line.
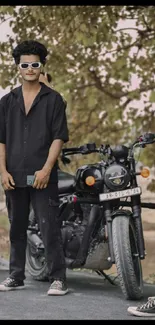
{"points": [[28, 48]]}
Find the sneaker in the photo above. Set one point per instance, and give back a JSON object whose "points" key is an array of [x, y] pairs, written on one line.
{"points": [[11, 284], [57, 288], [145, 310]]}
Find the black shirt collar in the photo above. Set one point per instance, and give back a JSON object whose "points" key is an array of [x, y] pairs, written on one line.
{"points": [[44, 90]]}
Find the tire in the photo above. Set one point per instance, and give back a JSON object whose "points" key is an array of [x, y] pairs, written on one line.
{"points": [[128, 265], [32, 219], [35, 265]]}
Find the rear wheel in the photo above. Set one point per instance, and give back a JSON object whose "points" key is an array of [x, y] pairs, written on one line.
{"points": [[127, 259], [35, 262]]}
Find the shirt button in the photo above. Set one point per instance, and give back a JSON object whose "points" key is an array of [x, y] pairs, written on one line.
{"points": [[24, 141]]}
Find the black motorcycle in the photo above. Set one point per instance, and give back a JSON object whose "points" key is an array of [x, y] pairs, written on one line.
{"points": [[97, 230]]}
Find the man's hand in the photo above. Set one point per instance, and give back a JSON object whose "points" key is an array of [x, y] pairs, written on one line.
{"points": [[7, 181], [41, 179]]}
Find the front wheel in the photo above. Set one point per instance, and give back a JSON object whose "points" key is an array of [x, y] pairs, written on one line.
{"points": [[127, 259]]}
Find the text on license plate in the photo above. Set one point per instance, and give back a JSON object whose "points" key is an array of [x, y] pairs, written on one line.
{"points": [[119, 194]]}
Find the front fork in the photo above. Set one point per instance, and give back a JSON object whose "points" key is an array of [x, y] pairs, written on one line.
{"points": [[108, 218], [136, 212]]}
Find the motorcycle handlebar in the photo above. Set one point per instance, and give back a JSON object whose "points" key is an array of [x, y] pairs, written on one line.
{"points": [[85, 149], [146, 138]]}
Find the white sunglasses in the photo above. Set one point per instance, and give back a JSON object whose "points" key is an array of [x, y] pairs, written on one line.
{"points": [[34, 65]]}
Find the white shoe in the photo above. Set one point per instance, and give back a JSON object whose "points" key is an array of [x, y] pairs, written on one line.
{"points": [[57, 288], [11, 284], [145, 310]]}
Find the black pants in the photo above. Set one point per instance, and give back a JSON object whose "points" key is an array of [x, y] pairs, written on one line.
{"points": [[45, 204], [8, 205]]}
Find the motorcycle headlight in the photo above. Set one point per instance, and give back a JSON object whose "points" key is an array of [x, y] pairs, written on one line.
{"points": [[89, 178], [116, 177]]}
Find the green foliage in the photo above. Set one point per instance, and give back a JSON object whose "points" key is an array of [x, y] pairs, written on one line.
{"points": [[152, 96], [4, 221], [151, 186], [92, 60]]}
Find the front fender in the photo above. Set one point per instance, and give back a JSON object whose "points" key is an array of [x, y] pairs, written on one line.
{"points": [[121, 212]]}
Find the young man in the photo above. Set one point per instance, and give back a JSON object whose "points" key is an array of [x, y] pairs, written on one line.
{"points": [[33, 128], [145, 310], [46, 79]]}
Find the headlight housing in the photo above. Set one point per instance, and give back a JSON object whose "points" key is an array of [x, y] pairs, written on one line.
{"points": [[89, 178], [116, 177]]}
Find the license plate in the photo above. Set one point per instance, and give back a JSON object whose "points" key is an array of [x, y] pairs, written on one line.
{"points": [[118, 194]]}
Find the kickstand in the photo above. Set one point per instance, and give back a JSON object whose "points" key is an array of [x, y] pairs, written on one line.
{"points": [[106, 276]]}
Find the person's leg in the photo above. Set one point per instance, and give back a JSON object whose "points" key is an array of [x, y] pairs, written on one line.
{"points": [[20, 202], [45, 203], [8, 206], [144, 310]]}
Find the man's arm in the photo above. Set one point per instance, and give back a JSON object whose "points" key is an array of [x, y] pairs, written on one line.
{"points": [[6, 178], [2, 158], [2, 137], [53, 155], [42, 176]]}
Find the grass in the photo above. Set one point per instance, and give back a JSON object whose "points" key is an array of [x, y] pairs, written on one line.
{"points": [[4, 232], [150, 279], [5, 254], [4, 222]]}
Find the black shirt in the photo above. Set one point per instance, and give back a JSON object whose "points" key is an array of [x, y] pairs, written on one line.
{"points": [[29, 137]]}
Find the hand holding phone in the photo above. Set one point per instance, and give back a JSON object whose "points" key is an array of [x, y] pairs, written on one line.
{"points": [[30, 180]]}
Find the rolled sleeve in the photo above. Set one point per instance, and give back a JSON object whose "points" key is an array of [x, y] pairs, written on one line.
{"points": [[2, 123], [59, 126]]}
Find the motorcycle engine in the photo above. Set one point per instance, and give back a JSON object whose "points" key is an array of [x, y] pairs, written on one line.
{"points": [[72, 234], [73, 230]]}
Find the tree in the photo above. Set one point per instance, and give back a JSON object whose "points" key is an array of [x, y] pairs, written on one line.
{"points": [[92, 58]]}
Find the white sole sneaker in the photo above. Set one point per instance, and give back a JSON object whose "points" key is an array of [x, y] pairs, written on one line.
{"points": [[4, 288], [55, 292], [135, 312]]}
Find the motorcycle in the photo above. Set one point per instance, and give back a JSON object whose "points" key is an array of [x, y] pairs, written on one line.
{"points": [[97, 228]]}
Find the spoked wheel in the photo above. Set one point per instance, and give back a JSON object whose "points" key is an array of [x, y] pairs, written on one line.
{"points": [[127, 259]]}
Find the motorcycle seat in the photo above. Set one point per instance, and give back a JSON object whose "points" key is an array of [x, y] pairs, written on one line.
{"points": [[65, 182]]}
